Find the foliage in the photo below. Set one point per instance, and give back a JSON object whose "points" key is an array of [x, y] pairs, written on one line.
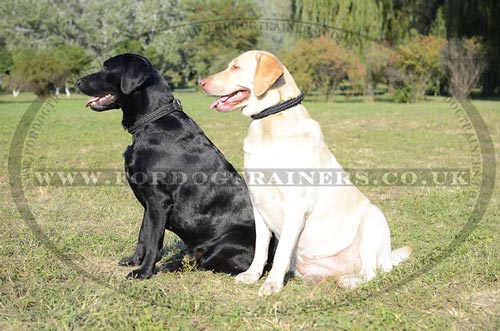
{"points": [[378, 57], [378, 68], [479, 19], [74, 58], [420, 66], [464, 63], [42, 70], [354, 21], [6, 61], [129, 46], [222, 37], [38, 71], [399, 21], [402, 94], [301, 65], [189, 39], [323, 64]]}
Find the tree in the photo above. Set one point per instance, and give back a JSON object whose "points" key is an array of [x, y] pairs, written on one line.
{"points": [[355, 20], [42, 23], [464, 63], [419, 64], [323, 64], [301, 64], [223, 37], [75, 59], [129, 46], [6, 62], [155, 26], [43, 70], [39, 71], [270, 40], [476, 18], [148, 26], [377, 60]]}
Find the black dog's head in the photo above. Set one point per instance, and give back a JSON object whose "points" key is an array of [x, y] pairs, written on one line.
{"points": [[120, 77]]}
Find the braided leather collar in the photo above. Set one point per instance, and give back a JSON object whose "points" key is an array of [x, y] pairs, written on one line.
{"points": [[157, 114], [279, 107]]}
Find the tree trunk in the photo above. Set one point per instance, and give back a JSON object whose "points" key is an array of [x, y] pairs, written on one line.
{"points": [[369, 92]]}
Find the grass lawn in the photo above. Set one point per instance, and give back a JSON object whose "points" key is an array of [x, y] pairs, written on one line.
{"points": [[92, 227]]}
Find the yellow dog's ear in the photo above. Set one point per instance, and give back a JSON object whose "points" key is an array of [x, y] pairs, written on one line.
{"points": [[268, 70]]}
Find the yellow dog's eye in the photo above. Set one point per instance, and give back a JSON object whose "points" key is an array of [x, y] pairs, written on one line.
{"points": [[234, 67]]}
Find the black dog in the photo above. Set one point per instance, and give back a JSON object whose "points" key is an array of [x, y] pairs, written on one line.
{"points": [[181, 179]]}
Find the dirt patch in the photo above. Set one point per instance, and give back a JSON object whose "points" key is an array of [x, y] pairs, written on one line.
{"points": [[485, 305], [487, 301]]}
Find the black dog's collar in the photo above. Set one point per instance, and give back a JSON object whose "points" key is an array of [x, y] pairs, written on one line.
{"points": [[279, 107], [157, 114]]}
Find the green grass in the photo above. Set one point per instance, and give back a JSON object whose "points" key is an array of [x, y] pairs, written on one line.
{"points": [[93, 227]]}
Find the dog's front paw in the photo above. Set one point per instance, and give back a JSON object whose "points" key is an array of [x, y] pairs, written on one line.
{"points": [[140, 274], [270, 287], [247, 277], [129, 261]]}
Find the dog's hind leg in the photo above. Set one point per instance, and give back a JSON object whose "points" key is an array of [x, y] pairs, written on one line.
{"points": [[175, 263], [373, 240]]}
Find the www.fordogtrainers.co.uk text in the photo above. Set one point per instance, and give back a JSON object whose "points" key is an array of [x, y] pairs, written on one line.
{"points": [[258, 177]]}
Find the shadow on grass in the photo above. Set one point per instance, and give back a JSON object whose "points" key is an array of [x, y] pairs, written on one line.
{"points": [[176, 254]]}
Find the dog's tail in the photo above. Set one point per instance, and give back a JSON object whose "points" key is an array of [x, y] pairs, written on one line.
{"points": [[401, 254]]}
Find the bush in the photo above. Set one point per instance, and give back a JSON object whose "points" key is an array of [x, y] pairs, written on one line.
{"points": [[41, 71], [323, 64], [402, 94], [420, 66]]}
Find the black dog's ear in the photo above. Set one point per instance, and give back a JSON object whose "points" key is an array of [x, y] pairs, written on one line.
{"points": [[137, 71]]}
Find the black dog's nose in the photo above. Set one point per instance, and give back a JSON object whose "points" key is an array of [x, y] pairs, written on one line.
{"points": [[79, 82]]}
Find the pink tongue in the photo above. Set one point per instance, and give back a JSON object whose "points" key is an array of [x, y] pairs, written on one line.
{"points": [[221, 100], [91, 100], [214, 104]]}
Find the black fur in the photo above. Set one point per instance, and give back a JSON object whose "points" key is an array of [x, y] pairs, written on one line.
{"points": [[214, 220]]}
